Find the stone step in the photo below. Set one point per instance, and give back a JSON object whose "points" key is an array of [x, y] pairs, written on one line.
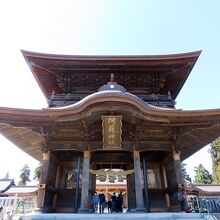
{"points": [[118, 216]]}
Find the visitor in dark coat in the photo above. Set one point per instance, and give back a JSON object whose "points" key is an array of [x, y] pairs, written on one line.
{"points": [[101, 202], [120, 202], [109, 205], [114, 202]]}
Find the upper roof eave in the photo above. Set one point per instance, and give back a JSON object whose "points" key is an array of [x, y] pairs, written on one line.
{"points": [[176, 67], [111, 57]]}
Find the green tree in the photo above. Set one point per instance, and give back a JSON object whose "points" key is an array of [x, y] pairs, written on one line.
{"points": [[202, 175], [37, 172], [186, 176], [215, 155], [24, 175]]}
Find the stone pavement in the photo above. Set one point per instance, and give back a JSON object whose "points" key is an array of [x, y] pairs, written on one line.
{"points": [[119, 216]]}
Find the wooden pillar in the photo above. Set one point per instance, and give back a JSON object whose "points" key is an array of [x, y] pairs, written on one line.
{"points": [[77, 185], [43, 182], [57, 186], [138, 182], [147, 204], [85, 183], [93, 180], [167, 197], [130, 190], [177, 167]]}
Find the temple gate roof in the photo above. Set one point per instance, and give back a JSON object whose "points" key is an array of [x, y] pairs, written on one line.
{"points": [[71, 127], [155, 74]]}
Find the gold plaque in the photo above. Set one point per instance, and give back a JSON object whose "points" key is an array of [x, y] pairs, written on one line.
{"points": [[111, 131]]}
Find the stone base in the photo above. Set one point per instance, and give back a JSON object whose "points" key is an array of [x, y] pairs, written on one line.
{"points": [[131, 211], [140, 210], [137, 210], [84, 210], [118, 216], [38, 210], [44, 210]]}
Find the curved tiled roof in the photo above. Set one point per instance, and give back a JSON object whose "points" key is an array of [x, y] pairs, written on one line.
{"points": [[5, 184], [21, 190], [194, 129], [116, 93], [135, 72]]}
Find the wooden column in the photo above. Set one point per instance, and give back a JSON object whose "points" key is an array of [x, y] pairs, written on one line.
{"points": [[147, 204], [177, 167], [93, 180], [76, 206], [167, 197], [131, 190], [57, 186], [138, 182], [85, 182], [43, 182]]}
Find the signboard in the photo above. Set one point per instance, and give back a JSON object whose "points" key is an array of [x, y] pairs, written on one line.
{"points": [[111, 131]]}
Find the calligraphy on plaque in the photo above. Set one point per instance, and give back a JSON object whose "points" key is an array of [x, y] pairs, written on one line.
{"points": [[111, 131]]}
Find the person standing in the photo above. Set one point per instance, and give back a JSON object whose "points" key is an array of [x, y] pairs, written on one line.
{"points": [[101, 202], [109, 204], [95, 202], [120, 202], [114, 202], [181, 197]]}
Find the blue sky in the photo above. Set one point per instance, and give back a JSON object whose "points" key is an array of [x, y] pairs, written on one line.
{"points": [[107, 27]]}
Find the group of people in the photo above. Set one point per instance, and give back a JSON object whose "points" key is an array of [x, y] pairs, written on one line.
{"points": [[113, 205], [117, 202], [98, 200]]}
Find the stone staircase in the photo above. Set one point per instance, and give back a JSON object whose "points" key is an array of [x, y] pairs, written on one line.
{"points": [[120, 216]]}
